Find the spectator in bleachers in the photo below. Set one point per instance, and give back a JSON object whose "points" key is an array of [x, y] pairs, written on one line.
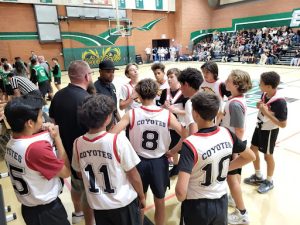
{"points": [[296, 59]]}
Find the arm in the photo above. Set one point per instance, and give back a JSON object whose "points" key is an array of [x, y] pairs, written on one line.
{"points": [[17, 92], [239, 132], [61, 154], [135, 179], [264, 109], [122, 124], [193, 128], [182, 185], [244, 158]]}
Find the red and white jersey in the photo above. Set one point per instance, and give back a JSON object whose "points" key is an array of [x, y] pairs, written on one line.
{"points": [[226, 119], [263, 122], [213, 88], [149, 131], [126, 92], [31, 187], [188, 118], [173, 103], [162, 86], [212, 152], [103, 160]]}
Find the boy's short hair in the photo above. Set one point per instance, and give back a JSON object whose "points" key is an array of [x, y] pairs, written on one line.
{"points": [[21, 109], [156, 66], [147, 89], [128, 66], [95, 110], [6, 66], [206, 105], [33, 60], [174, 71], [191, 76], [55, 59], [211, 67], [10, 74], [242, 80], [270, 78]]}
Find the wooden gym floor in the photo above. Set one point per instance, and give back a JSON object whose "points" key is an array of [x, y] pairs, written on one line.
{"points": [[278, 207]]}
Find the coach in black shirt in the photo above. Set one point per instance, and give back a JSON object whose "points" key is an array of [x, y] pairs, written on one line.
{"points": [[63, 110], [105, 86]]}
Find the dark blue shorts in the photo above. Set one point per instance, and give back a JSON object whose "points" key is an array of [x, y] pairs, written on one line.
{"points": [[204, 211], [155, 173]]}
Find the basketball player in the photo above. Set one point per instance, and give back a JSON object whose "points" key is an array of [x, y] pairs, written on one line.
{"points": [[128, 96], [34, 165], [272, 114], [212, 84], [107, 163], [160, 76], [234, 118], [190, 80], [173, 100], [204, 163], [150, 137]]}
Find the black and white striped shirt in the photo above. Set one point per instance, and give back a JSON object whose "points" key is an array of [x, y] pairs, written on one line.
{"points": [[23, 84]]}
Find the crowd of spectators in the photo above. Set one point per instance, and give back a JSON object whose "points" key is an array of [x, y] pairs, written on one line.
{"points": [[263, 46]]}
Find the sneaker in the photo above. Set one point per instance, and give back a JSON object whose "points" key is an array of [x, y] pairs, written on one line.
{"points": [[77, 217], [253, 180], [265, 186], [237, 218], [231, 202], [174, 171]]}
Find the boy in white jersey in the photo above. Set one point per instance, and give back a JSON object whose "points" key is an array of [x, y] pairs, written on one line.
{"points": [[234, 118], [272, 114], [204, 163], [128, 96], [107, 163], [34, 166], [160, 76], [150, 137], [212, 84], [173, 100], [190, 80]]}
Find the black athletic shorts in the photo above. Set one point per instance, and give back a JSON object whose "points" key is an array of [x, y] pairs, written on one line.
{"points": [[239, 170], [44, 88], [57, 80], [204, 211], [265, 140], [128, 215], [53, 213], [155, 173]]}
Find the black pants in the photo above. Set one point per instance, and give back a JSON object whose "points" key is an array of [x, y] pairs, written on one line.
{"points": [[53, 213], [204, 211], [128, 215]]}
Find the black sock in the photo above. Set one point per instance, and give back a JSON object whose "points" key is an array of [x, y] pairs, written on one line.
{"points": [[242, 211]]}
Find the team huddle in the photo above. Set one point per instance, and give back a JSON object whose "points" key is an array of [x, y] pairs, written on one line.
{"points": [[180, 115]]}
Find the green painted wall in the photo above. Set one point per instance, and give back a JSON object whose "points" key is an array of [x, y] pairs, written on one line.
{"points": [[121, 55]]}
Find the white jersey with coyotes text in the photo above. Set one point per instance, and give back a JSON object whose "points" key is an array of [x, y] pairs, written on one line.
{"points": [[212, 152], [149, 131], [263, 122], [103, 160], [226, 119], [30, 186]]}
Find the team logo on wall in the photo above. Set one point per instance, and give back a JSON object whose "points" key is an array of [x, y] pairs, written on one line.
{"points": [[295, 21], [93, 58]]}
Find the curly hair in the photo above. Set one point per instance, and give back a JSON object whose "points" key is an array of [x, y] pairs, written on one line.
{"points": [[95, 110], [270, 78], [147, 89], [156, 66]]}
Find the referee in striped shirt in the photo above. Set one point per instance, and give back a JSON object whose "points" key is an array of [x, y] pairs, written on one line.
{"points": [[21, 85]]}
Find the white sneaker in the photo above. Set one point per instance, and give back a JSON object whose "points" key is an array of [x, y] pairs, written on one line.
{"points": [[231, 202], [237, 218], [77, 217]]}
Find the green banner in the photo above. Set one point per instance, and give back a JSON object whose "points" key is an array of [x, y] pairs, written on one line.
{"points": [[46, 1], [139, 4], [159, 4], [122, 4], [121, 55]]}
